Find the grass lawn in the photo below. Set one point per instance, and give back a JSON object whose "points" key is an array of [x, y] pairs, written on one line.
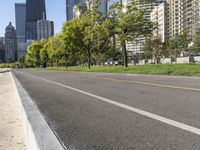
{"points": [[11, 65], [160, 69]]}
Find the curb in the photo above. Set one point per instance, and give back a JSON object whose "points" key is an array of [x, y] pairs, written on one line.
{"points": [[38, 133]]}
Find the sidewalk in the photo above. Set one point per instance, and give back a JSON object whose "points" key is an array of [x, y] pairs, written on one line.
{"points": [[11, 128]]}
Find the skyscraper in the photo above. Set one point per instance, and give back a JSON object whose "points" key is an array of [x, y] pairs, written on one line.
{"points": [[103, 6], [45, 29], [159, 17], [70, 6], [184, 15], [20, 19], [35, 10], [10, 44]]}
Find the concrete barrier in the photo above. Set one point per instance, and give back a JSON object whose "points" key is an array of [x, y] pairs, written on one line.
{"points": [[166, 60], [182, 60], [38, 133], [197, 59]]}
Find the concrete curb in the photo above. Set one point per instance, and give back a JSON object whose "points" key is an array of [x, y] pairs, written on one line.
{"points": [[38, 133]]}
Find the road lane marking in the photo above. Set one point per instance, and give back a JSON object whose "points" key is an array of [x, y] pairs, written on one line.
{"points": [[149, 84], [127, 107]]}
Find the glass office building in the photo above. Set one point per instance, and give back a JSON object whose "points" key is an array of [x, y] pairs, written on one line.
{"points": [[35, 10]]}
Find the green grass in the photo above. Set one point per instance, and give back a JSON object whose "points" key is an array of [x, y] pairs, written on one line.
{"points": [[160, 69], [11, 65]]}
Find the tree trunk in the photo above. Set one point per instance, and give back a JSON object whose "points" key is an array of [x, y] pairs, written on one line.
{"points": [[65, 61], [125, 54], [89, 58]]}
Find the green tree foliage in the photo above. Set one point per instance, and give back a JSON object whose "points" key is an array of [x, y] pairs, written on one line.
{"points": [[153, 48], [55, 49], [130, 23], [196, 44], [72, 35], [33, 53], [91, 37]]}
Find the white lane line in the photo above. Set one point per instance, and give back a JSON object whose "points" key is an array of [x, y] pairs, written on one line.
{"points": [[127, 107]]}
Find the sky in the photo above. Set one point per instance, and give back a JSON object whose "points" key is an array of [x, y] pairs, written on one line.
{"points": [[55, 12]]}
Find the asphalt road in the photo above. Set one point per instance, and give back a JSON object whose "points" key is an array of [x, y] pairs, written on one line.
{"points": [[99, 111]]}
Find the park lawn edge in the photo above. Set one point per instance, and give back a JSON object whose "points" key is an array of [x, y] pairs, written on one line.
{"points": [[159, 69]]}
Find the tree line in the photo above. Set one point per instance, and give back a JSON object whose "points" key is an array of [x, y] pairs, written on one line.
{"points": [[178, 46], [91, 37]]}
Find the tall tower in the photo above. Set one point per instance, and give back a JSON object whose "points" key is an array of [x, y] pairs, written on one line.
{"points": [[35, 10], [103, 6], [20, 19], [184, 16], [70, 6], [10, 44]]}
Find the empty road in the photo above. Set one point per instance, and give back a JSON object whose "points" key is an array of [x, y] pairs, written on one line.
{"points": [[99, 111]]}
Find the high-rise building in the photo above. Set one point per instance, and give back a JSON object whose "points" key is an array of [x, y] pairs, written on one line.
{"points": [[159, 17], [20, 19], [103, 5], [70, 7], [2, 49], [35, 10], [45, 29], [191, 17], [10, 44], [184, 15], [175, 17], [70, 4]]}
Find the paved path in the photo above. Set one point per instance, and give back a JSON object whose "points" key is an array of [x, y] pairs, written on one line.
{"points": [[97, 111], [11, 130]]}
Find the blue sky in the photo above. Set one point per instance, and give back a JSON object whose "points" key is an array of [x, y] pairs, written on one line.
{"points": [[55, 12]]}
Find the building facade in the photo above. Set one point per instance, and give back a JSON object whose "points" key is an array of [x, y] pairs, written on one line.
{"points": [[181, 16], [191, 17], [10, 44], [20, 20], [70, 7], [45, 29], [175, 14], [2, 49], [160, 18], [35, 10], [70, 4]]}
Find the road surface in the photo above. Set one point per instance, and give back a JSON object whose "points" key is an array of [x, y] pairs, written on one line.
{"points": [[99, 111]]}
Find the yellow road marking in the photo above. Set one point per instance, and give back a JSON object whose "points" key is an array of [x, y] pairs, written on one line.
{"points": [[149, 84]]}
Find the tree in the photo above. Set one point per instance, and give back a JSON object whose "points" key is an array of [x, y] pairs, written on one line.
{"points": [[130, 23], [93, 30], [44, 57], [153, 48], [195, 48], [54, 49], [33, 53], [182, 43], [72, 35]]}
